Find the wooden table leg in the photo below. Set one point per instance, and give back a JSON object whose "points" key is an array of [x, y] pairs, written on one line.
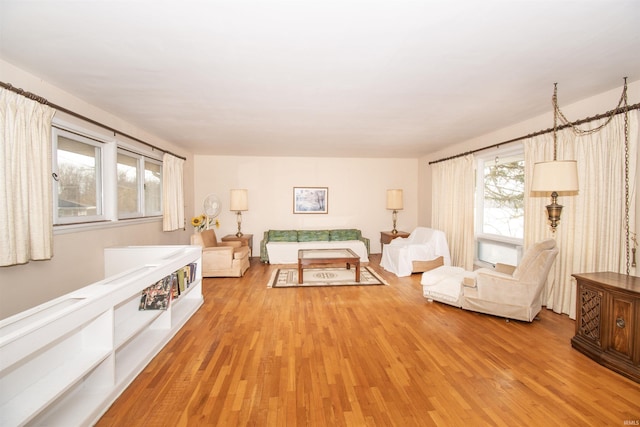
{"points": [[299, 272], [357, 266]]}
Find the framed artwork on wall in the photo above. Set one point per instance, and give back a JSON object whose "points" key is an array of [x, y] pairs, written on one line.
{"points": [[310, 200]]}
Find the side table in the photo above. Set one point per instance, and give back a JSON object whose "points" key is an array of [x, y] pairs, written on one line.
{"points": [[386, 237], [245, 239]]}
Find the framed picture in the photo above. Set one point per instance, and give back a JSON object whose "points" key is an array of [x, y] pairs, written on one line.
{"points": [[310, 200]]}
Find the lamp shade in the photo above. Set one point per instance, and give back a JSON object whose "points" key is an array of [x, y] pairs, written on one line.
{"points": [[239, 200], [558, 175], [394, 199]]}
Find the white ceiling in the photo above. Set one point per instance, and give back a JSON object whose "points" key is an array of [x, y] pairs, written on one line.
{"points": [[323, 78]]}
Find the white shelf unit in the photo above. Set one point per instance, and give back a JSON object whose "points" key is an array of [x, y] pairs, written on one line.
{"points": [[63, 363]]}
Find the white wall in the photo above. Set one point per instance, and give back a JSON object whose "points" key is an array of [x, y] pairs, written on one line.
{"points": [[357, 192], [78, 256]]}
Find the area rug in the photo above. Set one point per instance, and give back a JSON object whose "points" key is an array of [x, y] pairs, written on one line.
{"points": [[288, 277]]}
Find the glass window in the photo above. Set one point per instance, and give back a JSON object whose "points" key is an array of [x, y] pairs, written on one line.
{"points": [[139, 185], [500, 207], [77, 179], [96, 178], [504, 197], [152, 187], [128, 185]]}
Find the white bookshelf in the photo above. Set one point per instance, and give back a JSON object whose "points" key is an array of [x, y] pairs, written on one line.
{"points": [[63, 363]]}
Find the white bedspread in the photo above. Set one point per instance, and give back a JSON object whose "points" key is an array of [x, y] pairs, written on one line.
{"points": [[287, 252], [423, 244]]}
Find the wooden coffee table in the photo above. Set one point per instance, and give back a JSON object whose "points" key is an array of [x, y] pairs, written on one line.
{"points": [[311, 257]]}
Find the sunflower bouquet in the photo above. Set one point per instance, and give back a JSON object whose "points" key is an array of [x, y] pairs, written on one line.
{"points": [[202, 222]]}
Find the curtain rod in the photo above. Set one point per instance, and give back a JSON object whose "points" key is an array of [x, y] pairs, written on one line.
{"points": [[42, 100], [542, 132]]}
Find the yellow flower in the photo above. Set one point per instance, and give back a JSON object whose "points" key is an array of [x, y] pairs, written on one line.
{"points": [[198, 222], [202, 221]]}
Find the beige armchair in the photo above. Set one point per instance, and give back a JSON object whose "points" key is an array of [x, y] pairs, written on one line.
{"points": [[506, 291], [221, 259]]}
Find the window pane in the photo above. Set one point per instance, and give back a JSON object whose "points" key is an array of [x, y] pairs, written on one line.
{"points": [[78, 169], [127, 185], [152, 188], [504, 198]]}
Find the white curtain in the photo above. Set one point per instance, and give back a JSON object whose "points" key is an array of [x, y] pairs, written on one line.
{"points": [[453, 189], [26, 211], [591, 234], [172, 192]]}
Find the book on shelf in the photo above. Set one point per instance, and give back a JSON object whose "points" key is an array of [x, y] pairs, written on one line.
{"points": [[157, 296], [175, 290], [182, 284], [192, 272]]}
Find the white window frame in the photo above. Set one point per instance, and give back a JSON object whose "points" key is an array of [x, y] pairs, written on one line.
{"points": [[100, 181], [109, 147], [140, 185], [147, 211], [511, 242], [143, 156]]}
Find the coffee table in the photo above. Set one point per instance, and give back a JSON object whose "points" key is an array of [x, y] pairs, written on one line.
{"points": [[310, 257]]}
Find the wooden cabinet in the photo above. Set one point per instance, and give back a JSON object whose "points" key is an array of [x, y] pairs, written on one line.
{"points": [[65, 361], [608, 321], [386, 236]]}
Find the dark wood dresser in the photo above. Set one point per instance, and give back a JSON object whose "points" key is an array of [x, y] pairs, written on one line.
{"points": [[608, 321]]}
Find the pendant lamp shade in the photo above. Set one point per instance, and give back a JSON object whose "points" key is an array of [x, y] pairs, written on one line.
{"points": [[558, 176]]}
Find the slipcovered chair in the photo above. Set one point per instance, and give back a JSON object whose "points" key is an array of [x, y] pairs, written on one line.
{"points": [[221, 259], [505, 291], [424, 249]]}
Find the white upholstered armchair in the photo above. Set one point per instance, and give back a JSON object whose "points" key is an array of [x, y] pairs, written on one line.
{"points": [[506, 291], [221, 259], [424, 249]]}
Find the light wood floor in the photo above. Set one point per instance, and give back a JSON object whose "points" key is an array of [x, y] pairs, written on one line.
{"points": [[374, 356]]}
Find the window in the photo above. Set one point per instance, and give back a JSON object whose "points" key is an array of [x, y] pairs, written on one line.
{"points": [[128, 186], [77, 178], [139, 185], [152, 187], [97, 179], [500, 207]]}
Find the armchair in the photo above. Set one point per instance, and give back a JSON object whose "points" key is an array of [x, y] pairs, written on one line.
{"points": [[423, 250], [221, 259], [506, 291]]}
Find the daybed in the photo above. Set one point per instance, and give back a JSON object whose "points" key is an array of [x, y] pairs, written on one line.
{"points": [[506, 291], [281, 246]]}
